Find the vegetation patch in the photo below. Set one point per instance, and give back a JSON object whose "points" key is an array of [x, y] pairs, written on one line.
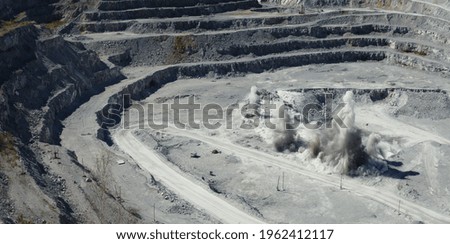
{"points": [[55, 24], [8, 151], [10, 25], [22, 220], [183, 46], [420, 53]]}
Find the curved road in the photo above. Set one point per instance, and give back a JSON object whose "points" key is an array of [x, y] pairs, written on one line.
{"points": [[387, 198], [182, 186]]}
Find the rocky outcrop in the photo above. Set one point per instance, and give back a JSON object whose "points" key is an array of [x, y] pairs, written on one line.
{"points": [[42, 80], [16, 48], [83, 75], [39, 10], [50, 77]]}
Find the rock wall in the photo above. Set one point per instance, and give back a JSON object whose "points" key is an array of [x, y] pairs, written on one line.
{"points": [[44, 11], [44, 80], [35, 9]]}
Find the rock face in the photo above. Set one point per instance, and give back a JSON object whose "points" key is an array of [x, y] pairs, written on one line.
{"points": [[50, 77], [40, 10], [17, 50], [44, 11], [81, 74], [43, 78]]}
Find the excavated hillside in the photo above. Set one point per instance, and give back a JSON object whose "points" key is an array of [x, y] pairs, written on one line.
{"points": [[55, 56]]}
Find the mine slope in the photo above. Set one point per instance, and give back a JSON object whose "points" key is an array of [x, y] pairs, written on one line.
{"points": [[66, 68]]}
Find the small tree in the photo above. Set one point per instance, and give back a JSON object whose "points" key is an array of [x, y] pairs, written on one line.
{"points": [[103, 176]]}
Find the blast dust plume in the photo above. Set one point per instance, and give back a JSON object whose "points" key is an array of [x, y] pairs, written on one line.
{"points": [[342, 147]]}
